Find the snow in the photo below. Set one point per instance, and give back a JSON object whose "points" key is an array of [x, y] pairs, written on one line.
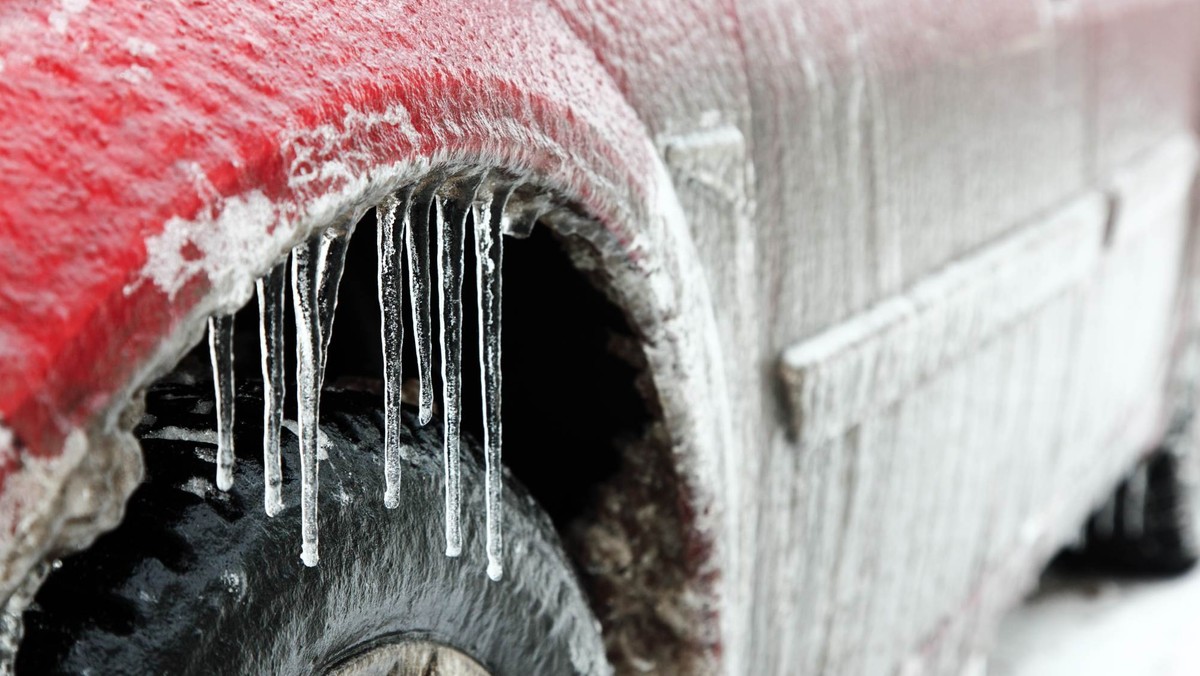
{"points": [[173, 433], [60, 19], [135, 74], [139, 47], [1096, 626], [323, 441], [196, 486], [227, 245], [235, 582]]}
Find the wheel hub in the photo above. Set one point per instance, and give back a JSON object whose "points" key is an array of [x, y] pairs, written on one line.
{"points": [[411, 658]]}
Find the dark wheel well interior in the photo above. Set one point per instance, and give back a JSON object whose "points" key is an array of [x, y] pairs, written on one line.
{"points": [[570, 399]]}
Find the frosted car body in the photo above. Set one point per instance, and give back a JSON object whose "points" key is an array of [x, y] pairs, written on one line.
{"points": [[911, 276]]}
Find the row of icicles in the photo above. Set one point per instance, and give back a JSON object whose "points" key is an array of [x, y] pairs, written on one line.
{"points": [[316, 272]]}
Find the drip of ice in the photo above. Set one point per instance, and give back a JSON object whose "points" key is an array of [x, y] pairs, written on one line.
{"points": [[450, 273], [335, 241], [489, 258], [220, 347], [316, 274], [519, 225], [305, 279], [391, 308], [418, 282], [406, 221], [271, 294]]}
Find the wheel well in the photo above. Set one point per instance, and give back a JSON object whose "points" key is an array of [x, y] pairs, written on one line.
{"points": [[571, 396], [583, 429]]}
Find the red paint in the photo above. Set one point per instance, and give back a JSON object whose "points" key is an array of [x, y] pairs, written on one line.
{"points": [[103, 140], [102, 137]]}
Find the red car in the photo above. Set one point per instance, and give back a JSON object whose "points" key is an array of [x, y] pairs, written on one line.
{"points": [[745, 337]]}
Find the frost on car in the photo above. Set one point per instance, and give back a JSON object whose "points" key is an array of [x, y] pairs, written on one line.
{"points": [[545, 337]]}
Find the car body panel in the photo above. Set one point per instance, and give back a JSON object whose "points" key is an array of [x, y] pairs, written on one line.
{"points": [[760, 173]]}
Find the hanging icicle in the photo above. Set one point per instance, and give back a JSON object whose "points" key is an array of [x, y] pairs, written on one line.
{"points": [[450, 273], [305, 279], [519, 223], [489, 259], [220, 349], [335, 242], [407, 222], [271, 295], [316, 274], [390, 243], [424, 203]]}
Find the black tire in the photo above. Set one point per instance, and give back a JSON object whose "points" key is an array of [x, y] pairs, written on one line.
{"points": [[199, 581], [1147, 527]]}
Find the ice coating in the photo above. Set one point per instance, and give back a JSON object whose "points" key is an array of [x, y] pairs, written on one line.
{"points": [[334, 243], [450, 228], [220, 347], [407, 223], [489, 259], [418, 283], [317, 267], [305, 281], [271, 295], [391, 308]]}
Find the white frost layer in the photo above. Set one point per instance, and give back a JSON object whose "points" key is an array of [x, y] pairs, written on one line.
{"points": [[239, 238], [1152, 188], [172, 433], [231, 246], [837, 377], [323, 439], [60, 19], [65, 500], [645, 245]]}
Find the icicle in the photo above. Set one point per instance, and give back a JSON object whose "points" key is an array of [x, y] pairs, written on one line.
{"points": [[489, 258], [271, 294], [305, 282], [450, 273], [391, 307], [316, 274], [419, 292], [335, 241], [220, 346], [519, 224]]}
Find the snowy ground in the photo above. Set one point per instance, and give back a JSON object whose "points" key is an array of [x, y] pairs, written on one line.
{"points": [[1104, 627]]}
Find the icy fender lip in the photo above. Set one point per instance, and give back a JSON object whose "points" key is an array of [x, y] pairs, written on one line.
{"points": [[133, 155], [155, 159]]}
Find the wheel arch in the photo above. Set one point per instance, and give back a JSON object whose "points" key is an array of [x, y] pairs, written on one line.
{"points": [[321, 112]]}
